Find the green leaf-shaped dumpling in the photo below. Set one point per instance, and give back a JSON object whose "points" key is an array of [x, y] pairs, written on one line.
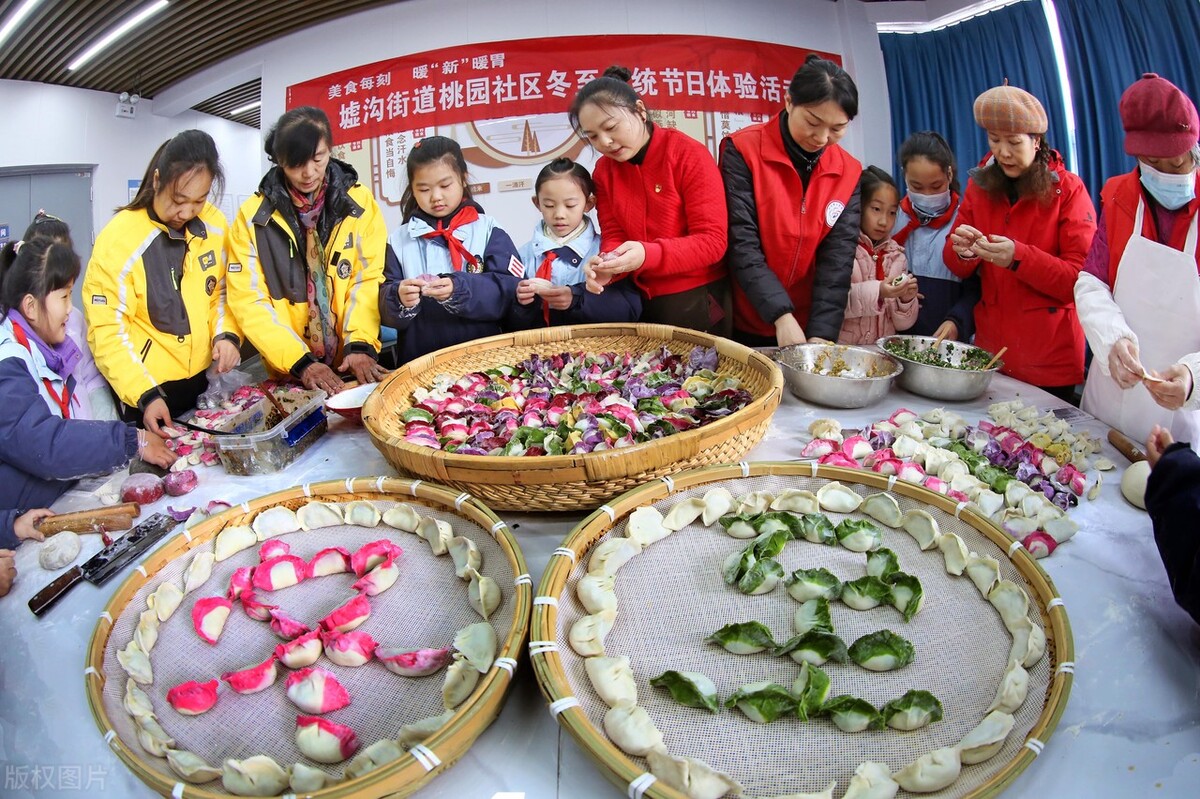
{"points": [[852, 714], [806, 584], [813, 615], [907, 594], [689, 688], [912, 711], [858, 535], [811, 689], [815, 647], [762, 702], [743, 638], [881, 651], [882, 562], [866, 593]]}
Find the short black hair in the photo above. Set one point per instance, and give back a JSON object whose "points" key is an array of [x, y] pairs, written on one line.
{"points": [[566, 168], [38, 267], [818, 80], [428, 151], [873, 178], [294, 139]]}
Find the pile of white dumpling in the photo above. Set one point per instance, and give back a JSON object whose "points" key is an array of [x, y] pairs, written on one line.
{"points": [[630, 726], [474, 646]]}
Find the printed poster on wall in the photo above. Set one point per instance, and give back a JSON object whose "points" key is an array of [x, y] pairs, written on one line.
{"points": [[506, 105]]}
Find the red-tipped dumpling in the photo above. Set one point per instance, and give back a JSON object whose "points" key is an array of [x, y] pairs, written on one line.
{"points": [[380, 578], [281, 572], [208, 617], [334, 560], [419, 663], [349, 615], [285, 626], [315, 690], [301, 652], [193, 698], [274, 548], [324, 741], [256, 610], [371, 555], [349, 649], [253, 679], [241, 582]]}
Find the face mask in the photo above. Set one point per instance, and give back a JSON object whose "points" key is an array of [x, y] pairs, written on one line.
{"points": [[1171, 191], [930, 204]]}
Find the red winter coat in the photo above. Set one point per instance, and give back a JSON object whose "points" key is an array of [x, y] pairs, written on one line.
{"points": [[674, 203], [1119, 200], [1031, 309]]}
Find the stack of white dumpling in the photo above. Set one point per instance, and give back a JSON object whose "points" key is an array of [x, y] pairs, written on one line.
{"points": [[474, 646], [632, 729]]}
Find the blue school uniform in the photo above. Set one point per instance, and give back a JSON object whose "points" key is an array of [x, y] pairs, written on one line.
{"points": [[485, 282], [619, 302], [945, 295]]}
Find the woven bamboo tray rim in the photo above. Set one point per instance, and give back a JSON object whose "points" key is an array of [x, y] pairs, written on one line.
{"points": [[401, 777], [761, 376], [621, 771]]}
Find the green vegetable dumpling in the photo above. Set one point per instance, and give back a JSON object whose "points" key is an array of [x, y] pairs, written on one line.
{"points": [[881, 651]]}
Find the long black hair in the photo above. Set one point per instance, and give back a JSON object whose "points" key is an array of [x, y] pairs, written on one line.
{"points": [[38, 267], [294, 139], [566, 168], [428, 151], [818, 80], [182, 154], [610, 90]]}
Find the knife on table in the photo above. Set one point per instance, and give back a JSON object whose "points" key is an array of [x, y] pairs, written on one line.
{"points": [[107, 562]]}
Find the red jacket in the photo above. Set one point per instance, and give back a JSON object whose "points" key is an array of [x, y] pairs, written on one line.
{"points": [[674, 203], [792, 222], [1119, 199], [1031, 310]]}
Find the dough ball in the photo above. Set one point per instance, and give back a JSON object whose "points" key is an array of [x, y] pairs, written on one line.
{"points": [[1133, 483], [59, 550]]}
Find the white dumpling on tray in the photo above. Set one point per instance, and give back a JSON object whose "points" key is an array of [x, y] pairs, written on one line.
{"points": [[198, 571], [922, 527], [612, 678], [465, 555], [882, 507], [233, 540], [315, 515], [717, 502], [436, 533], [165, 600], [477, 644], [274, 521], [694, 778], [254, 776], [611, 555], [930, 772], [871, 781], [587, 634], [191, 766], [1011, 692], [646, 526], [838, 498], [402, 517], [983, 571], [483, 593], [683, 513], [461, 679], [632, 730], [796, 500], [597, 592], [753, 503], [361, 513], [954, 553], [985, 741]]}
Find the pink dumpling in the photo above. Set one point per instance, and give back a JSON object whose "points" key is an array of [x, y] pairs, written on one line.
{"points": [[274, 548], [324, 741], [301, 652], [253, 679], [419, 663], [241, 582], [315, 690], [379, 579], [255, 609], [348, 649], [334, 560], [348, 616], [193, 698], [371, 555], [280, 572], [285, 626], [208, 617]]}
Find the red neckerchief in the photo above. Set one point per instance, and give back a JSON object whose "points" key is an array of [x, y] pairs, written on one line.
{"points": [[544, 271], [64, 401], [879, 273], [457, 249], [914, 220]]}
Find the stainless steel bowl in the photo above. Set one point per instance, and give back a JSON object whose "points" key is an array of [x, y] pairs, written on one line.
{"points": [[818, 373], [942, 382]]}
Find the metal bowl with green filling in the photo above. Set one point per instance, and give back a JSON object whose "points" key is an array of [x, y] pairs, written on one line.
{"points": [[951, 371]]}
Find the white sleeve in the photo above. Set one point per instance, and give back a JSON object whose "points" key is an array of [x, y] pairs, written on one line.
{"points": [[1101, 318]]}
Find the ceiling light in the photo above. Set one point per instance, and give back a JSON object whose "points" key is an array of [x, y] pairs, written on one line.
{"points": [[946, 20], [247, 107], [118, 32], [17, 18]]}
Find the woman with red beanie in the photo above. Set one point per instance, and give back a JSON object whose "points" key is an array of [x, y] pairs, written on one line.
{"points": [[1138, 296], [1025, 226]]}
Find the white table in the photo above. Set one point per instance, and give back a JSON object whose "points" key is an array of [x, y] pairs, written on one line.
{"points": [[1131, 727]]}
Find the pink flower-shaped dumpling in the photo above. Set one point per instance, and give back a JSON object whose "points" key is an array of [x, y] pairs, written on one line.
{"points": [[301, 652], [334, 560], [856, 447], [253, 679], [315, 690], [256, 610], [193, 698], [208, 617], [379, 579], [280, 572], [285, 626], [819, 447], [348, 649], [418, 663], [348, 616], [324, 741], [371, 555], [274, 548], [241, 582]]}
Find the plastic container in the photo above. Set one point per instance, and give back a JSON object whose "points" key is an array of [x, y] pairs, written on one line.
{"points": [[272, 450]]}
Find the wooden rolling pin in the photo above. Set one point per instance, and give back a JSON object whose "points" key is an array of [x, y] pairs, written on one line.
{"points": [[96, 520], [1126, 447]]}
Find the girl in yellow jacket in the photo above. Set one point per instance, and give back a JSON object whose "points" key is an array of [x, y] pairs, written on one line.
{"points": [[154, 290], [306, 260]]}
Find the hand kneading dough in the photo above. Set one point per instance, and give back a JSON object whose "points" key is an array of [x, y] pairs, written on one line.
{"points": [[59, 551]]}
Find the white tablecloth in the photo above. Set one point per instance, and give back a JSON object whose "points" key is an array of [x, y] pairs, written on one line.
{"points": [[1131, 727]]}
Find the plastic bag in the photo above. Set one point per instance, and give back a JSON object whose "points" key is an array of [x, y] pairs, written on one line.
{"points": [[221, 386]]}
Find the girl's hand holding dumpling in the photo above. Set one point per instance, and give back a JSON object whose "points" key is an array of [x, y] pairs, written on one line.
{"points": [[440, 289], [410, 291], [156, 417], [526, 292], [1176, 389]]}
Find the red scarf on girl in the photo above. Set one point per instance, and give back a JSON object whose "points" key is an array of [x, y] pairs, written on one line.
{"points": [[465, 216], [914, 218]]}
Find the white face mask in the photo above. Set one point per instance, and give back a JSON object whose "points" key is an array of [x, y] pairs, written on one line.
{"points": [[930, 204], [1171, 191]]}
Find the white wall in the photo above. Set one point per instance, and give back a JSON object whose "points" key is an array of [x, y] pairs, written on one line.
{"points": [[420, 25], [43, 125]]}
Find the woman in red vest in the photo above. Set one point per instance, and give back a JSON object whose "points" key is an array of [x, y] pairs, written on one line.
{"points": [[661, 208], [794, 212], [1138, 296], [1025, 226]]}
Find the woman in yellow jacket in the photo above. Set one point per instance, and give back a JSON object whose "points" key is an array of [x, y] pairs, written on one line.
{"points": [[306, 260], [154, 290]]}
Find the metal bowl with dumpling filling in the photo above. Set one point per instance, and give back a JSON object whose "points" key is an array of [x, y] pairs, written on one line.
{"points": [[837, 375], [952, 371]]}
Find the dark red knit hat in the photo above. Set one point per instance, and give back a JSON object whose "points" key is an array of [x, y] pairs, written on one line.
{"points": [[1159, 120]]}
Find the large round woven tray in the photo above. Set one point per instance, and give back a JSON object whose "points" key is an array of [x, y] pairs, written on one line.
{"points": [[672, 596], [572, 482], [425, 607]]}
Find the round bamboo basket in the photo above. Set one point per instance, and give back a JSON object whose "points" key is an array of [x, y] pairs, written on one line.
{"points": [[572, 482], [401, 777], [562, 681]]}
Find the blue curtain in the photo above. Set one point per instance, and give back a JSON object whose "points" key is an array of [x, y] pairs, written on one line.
{"points": [[1108, 46], [933, 78]]}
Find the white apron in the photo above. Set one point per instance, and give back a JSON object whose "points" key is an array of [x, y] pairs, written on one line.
{"points": [[1158, 292]]}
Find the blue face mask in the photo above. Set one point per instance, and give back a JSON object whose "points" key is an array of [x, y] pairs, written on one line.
{"points": [[930, 204], [1171, 191]]}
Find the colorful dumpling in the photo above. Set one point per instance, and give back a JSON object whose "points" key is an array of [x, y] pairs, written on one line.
{"points": [[324, 741], [254, 679], [193, 698], [209, 616], [348, 616], [315, 690], [283, 571], [302, 651], [348, 649]]}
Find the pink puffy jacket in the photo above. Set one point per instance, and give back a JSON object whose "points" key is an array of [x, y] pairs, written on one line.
{"points": [[869, 318]]}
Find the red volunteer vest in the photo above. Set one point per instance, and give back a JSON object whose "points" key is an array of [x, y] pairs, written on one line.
{"points": [[792, 223], [1119, 199]]}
